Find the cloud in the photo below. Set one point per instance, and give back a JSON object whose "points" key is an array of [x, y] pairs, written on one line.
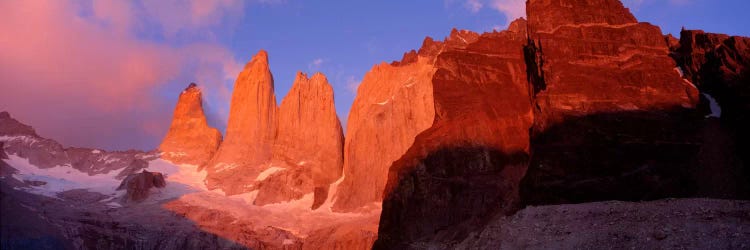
{"points": [[473, 5], [512, 9], [176, 16], [352, 83], [315, 64], [79, 73]]}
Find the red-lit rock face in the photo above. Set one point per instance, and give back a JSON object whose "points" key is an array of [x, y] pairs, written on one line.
{"points": [[309, 144], [190, 140], [595, 58], [469, 163], [251, 130], [393, 104]]}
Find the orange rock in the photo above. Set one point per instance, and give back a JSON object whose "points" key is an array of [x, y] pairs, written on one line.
{"points": [[250, 131], [596, 57], [469, 164], [190, 140], [393, 104], [310, 134]]}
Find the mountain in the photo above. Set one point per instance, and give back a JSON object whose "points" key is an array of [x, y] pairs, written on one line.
{"points": [[602, 113], [393, 104], [133, 199], [468, 165], [250, 132], [190, 140], [309, 138], [580, 127]]}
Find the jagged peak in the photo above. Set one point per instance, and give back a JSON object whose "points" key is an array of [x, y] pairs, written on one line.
{"points": [[259, 59], [319, 77]]}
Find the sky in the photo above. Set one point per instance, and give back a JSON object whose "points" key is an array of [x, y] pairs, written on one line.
{"points": [[106, 74]]}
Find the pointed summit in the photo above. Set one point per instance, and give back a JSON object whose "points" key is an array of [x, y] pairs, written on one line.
{"points": [[190, 140], [310, 134], [251, 128]]}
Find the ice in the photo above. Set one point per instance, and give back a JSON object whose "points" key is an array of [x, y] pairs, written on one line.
{"points": [[680, 71], [225, 166], [25, 139], [268, 172], [60, 178], [715, 108], [114, 204]]}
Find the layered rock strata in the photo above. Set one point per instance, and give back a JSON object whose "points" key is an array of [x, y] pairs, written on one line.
{"points": [[595, 57]]}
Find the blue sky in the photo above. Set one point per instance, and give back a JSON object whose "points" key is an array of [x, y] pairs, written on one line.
{"points": [[112, 70]]}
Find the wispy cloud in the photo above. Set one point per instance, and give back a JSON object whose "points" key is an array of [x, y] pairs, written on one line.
{"points": [[473, 5], [315, 64], [352, 83], [512, 9]]}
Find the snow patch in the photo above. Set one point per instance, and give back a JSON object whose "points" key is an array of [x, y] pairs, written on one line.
{"points": [[108, 159], [60, 178], [184, 173], [680, 71], [384, 102], [302, 204], [175, 154], [114, 204], [333, 190], [24, 139], [268, 172], [690, 83], [95, 151], [715, 108], [222, 166]]}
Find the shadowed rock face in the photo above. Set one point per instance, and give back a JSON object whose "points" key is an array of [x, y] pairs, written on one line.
{"points": [[190, 140], [139, 185], [720, 66], [251, 130]]}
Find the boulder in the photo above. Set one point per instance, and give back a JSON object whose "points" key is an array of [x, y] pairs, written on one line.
{"points": [[139, 185]]}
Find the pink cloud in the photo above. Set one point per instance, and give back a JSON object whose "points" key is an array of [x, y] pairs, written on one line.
{"points": [[88, 80]]}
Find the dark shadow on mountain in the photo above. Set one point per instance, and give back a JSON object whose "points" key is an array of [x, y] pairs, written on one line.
{"points": [[450, 193], [633, 156]]}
